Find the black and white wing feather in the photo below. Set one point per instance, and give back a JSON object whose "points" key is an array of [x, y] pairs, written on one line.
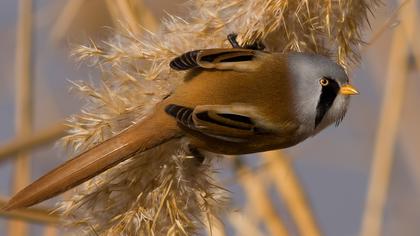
{"points": [[222, 59], [217, 123]]}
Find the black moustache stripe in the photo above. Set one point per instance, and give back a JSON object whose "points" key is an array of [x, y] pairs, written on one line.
{"points": [[328, 95]]}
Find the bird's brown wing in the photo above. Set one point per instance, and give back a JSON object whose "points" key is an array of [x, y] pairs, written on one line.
{"points": [[216, 121], [222, 59]]}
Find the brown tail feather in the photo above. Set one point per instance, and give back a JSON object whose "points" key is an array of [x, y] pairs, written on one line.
{"points": [[153, 131]]}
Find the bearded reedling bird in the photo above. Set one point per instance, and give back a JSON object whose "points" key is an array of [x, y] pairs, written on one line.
{"points": [[233, 101]]}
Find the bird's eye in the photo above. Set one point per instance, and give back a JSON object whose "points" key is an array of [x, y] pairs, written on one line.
{"points": [[323, 82]]}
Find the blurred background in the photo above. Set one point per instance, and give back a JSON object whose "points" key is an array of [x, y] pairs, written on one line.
{"points": [[362, 178]]}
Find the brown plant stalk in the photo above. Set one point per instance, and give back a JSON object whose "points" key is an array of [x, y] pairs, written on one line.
{"points": [[24, 97]]}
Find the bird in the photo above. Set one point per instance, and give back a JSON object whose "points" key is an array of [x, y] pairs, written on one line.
{"points": [[232, 101]]}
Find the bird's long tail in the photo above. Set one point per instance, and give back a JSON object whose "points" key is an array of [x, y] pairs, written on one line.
{"points": [[140, 137]]}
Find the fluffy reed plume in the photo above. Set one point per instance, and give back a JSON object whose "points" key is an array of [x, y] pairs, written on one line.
{"points": [[163, 191]]}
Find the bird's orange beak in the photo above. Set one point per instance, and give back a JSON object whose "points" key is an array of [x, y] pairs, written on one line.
{"points": [[348, 89]]}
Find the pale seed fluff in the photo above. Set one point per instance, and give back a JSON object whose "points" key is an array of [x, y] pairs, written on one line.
{"points": [[163, 191]]}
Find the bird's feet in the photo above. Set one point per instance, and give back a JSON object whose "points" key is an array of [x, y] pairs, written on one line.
{"points": [[258, 45], [198, 156]]}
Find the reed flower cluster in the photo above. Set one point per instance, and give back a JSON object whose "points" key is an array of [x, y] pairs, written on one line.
{"points": [[164, 191]]}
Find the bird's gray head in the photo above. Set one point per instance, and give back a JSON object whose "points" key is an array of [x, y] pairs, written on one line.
{"points": [[322, 87]]}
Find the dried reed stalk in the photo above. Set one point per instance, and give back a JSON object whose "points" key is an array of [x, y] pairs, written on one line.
{"points": [[215, 227], [65, 19], [416, 38], [50, 231], [34, 215], [383, 153], [147, 193], [244, 225], [407, 143], [21, 173], [388, 23], [260, 202], [132, 13], [31, 141], [288, 185]]}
